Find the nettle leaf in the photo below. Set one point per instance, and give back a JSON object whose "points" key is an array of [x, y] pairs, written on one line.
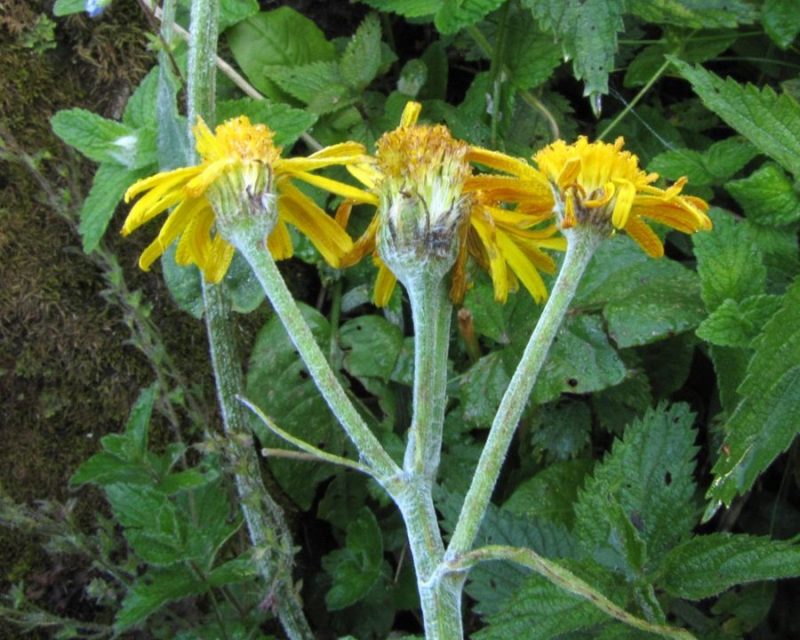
{"points": [[233, 11], [697, 14], [153, 590], [529, 55], [282, 37], [457, 14], [643, 300], [562, 429], [781, 21], [407, 8], [287, 122], [712, 166], [736, 324], [355, 568], [141, 108], [361, 59], [319, 85], [765, 422], [104, 140], [769, 120], [109, 185], [728, 262], [647, 480], [279, 383], [372, 346], [767, 196], [493, 584], [708, 565], [541, 610], [587, 32]]}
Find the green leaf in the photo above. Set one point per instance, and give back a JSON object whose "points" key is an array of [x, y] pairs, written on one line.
{"points": [[407, 8], [279, 383], [707, 565], [712, 166], [212, 525], [551, 493], [588, 33], [241, 569], [735, 324], [234, 11], [109, 185], [781, 21], [184, 283], [765, 422], [242, 286], [540, 610], [454, 15], [697, 14], [282, 37], [561, 429], [362, 56], [357, 567], [318, 84], [649, 474], [141, 108], [529, 55], [68, 7], [767, 196], [104, 140], [153, 526], [372, 346], [287, 122], [152, 591], [770, 121], [728, 262], [106, 468]]}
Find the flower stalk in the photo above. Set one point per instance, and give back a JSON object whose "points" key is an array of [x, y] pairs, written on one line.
{"points": [[266, 526], [581, 245]]}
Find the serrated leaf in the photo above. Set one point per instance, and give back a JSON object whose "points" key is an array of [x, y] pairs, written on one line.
{"points": [[697, 14], [649, 474], [712, 166], [282, 37], [529, 55], [372, 345], [770, 121], [767, 196], [287, 122], [540, 610], [362, 57], [319, 85], [109, 185], [407, 8], [355, 568], [728, 262], [141, 108], [587, 31], [153, 590], [68, 7], [734, 324], [707, 565], [104, 140], [561, 429], [105, 469], [781, 21], [765, 422], [454, 15], [279, 383]]}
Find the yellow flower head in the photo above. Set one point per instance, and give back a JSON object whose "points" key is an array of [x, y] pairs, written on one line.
{"points": [[241, 174], [432, 215]]}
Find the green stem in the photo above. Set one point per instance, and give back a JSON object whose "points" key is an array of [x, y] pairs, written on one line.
{"points": [[582, 243], [566, 580], [252, 247], [431, 310], [268, 531]]}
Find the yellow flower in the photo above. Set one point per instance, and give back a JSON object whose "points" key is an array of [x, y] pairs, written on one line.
{"points": [[600, 184], [240, 173], [433, 213]]}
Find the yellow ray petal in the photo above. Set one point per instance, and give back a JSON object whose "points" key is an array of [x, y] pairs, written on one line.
{"points": [[197, 185], [670, 213], [193, 245], [366, 174], [516, 220], [458, 283], [219, 259], [364, 245], [410, 115], [608, 192], [340, 150], [569, 173], [173, 177], [497, 262], [336, 187], [384, 285], [293, 165], [626, 192], [522, 267], [645, 237], [502, 162], [149, 206], [328, 237], [279, 242]]}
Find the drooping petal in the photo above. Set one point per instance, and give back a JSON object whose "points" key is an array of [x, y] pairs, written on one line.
{"points": [[626, 192], [220, 255], [507, 164], [150, 205], [522, 267], [645, 237], [176, 176], [410, 114], [194, 242], [364, 245], [279, 242], [497, 262], [336, 187], [211, 172], [385, 283]]}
